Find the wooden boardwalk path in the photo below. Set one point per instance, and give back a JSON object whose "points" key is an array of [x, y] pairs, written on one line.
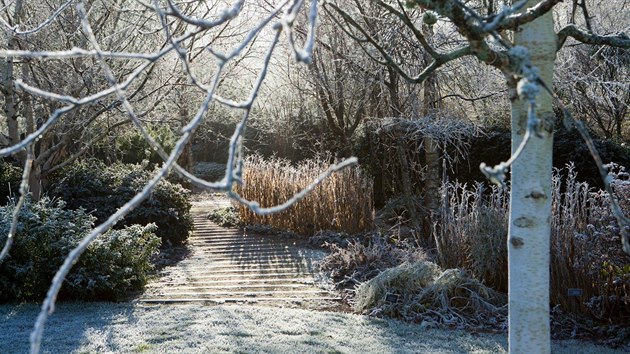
{"points": [[228, 266]]}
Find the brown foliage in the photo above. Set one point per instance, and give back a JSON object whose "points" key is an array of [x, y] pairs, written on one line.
{"points": [[585, 245], [342, 202]]}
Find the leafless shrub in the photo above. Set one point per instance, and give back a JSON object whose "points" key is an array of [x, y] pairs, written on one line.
{"points": [[361, 260], [585, 250], [343, 202]]}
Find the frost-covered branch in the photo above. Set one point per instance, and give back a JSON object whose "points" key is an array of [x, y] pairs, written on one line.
{"points": [[16, 28], [117, 90], [621, 40]]}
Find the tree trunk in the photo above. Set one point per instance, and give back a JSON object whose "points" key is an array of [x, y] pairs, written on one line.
{"points": [[10, 110], [185, 159], [8, 79], [530, 203], [431, 151], [35, 182], [408, 192]]}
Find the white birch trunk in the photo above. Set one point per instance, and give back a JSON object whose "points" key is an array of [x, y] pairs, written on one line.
{"points": [[530, 205]]}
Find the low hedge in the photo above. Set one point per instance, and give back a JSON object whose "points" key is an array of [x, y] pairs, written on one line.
{"points": [[102, 189], [114, 265]]}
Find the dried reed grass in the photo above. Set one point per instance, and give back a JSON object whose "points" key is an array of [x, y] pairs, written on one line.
{"points": [[343, 202], [585, 245], [472, 231]]}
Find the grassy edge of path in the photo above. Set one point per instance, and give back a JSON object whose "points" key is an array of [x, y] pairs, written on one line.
{"points": [[135, 328]]}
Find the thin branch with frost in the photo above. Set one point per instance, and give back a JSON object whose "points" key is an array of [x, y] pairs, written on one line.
{"points": [[49, 303], [621, 40], [16, 211], [305, 54], [234, 161], [226, 15], [16, 29], [233, 171], [508, 20], [498, 18], [439, 59]]}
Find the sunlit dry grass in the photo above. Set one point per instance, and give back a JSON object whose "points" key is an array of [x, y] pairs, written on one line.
{"points": [[585, 245], [342, 202]]}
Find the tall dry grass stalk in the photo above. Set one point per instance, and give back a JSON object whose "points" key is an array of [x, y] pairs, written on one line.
{"points": [[585, 245], [343, 202], [472, 231]]}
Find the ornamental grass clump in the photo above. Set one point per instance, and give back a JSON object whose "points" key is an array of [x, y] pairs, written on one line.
{"points": [[403, 280], [585, 250], [472, 231], [423, 292], [343, 202]]}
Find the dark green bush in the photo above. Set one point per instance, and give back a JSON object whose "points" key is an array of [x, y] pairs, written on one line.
{"points": [[115, 264], [134, 148], [10, 179], [101, 190], [112, 266]]}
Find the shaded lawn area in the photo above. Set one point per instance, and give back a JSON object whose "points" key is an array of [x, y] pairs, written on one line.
{"points": [[134, 328]]}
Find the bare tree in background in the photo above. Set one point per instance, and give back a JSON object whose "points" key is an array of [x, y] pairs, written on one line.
{"points": [[80, 128]]}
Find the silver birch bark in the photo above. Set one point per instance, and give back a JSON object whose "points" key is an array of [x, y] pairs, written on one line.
{"points": [[530, 205]]}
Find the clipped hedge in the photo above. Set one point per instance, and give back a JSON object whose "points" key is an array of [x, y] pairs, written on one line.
{"points": [[102, 189], [114, 265]]}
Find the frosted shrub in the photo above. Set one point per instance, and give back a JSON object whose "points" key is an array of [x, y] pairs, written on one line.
{"points": [[114, 265]]}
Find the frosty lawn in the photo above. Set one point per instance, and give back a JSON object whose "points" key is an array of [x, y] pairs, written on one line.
{"points": [[128, 328]]}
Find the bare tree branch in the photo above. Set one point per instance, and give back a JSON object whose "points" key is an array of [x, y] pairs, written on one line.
{"points": [[621, 40]]}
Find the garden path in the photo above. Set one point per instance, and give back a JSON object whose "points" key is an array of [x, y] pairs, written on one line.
{"points": [[228, 265]]}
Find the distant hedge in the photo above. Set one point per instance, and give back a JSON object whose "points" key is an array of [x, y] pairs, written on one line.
{"points": [[495, 145]]}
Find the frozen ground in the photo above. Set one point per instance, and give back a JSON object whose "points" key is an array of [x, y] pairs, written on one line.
{"points": [[135, 328]]}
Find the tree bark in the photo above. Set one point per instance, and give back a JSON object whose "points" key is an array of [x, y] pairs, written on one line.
{"points": [[186, 158], [10, 110], [530, 203], [8, 79], [431, 151]]}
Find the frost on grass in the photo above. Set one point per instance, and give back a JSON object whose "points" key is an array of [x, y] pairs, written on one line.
{"points": [[422, 292]]}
